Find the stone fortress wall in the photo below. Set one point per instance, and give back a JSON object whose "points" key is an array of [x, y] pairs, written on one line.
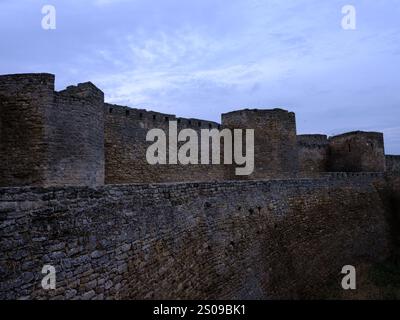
{"points": [[72, 137], [392, 163], [313, 154], [125, 148], [77, 193], [266, 239]]}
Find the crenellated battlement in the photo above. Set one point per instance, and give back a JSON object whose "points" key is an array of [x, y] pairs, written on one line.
{"points": [[313, 140], [156, 119]]}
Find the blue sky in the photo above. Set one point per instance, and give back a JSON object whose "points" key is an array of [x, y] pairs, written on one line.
{"points": [[200, 58]]}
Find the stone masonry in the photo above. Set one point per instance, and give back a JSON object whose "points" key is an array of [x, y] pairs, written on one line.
{"points": [[77, 193], [227, 240]]}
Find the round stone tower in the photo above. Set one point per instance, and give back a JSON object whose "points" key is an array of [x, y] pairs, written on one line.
{"points": [[357, 151], [23, 100], [275, 142], [50, 138]]}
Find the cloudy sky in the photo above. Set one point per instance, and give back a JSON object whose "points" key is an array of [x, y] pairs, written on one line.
{"points": [[200, 58]]}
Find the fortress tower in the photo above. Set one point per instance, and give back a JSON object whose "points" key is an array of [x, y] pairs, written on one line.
{"points": [[50, 138], [275, 152], [357, 151], [23, 102]]}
